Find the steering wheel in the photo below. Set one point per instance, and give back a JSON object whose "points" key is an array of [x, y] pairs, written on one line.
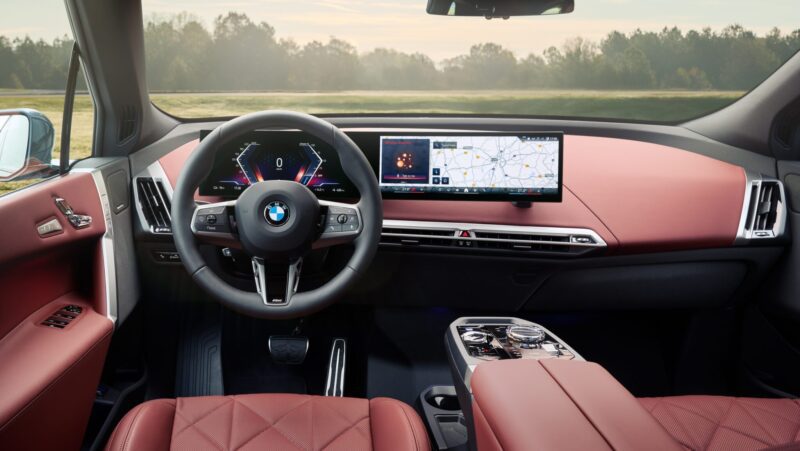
{"points": [[278, 221]]}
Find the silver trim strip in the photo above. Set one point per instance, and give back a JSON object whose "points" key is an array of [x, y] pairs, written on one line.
{"points": [[472, 229], [107, 246], [744, 232], [156, 172], [334, 382]]}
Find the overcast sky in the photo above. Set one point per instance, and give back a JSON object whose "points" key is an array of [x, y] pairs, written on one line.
{"points": [[404, 25]]}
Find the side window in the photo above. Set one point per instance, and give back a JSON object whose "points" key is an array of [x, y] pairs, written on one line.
{"points": [[34, 66]]}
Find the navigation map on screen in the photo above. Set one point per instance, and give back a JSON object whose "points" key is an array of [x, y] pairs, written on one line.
{"points": [[521, 165]]}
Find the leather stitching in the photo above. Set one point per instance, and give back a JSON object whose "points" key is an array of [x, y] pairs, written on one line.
{"points": [[197, 420], [124, 443], [271, 425], [411, 426], [198, 431], [690, 437], [352, 425], [353, 430], [769, 412], [758, 423], [348, 428], [767, 439]]}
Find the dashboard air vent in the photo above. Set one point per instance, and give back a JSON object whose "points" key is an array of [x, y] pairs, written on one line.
{"points": [[490, 238], [155, 204], [431, 237], [523, 242], [766, 210]]}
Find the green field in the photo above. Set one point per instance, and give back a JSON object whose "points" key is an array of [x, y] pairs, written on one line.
{"points": [[658, 106]]}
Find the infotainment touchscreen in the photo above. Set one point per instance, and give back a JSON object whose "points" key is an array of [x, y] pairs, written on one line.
{"points": [[521, 167]]}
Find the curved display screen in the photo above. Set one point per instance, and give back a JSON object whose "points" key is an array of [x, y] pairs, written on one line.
{"points": [[444, 166], [477, 166], [278, 155]]}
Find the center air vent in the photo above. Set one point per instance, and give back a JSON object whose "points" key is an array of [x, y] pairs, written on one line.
{"points": [[155, 204], [765, 217], [490, 237]]}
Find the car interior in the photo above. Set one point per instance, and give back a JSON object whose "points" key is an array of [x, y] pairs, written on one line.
{"points": [[284, 280]]}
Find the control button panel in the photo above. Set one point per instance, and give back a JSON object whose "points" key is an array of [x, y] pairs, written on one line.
{"points": [[166, 256], [62, 317], [339, 219], [501, 342], [216, 219]]}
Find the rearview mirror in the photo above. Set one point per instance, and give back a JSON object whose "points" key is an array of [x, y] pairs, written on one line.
{"points": [[499, 8], [26, 145]]}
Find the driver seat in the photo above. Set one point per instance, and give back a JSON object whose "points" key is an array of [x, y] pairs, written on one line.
{"points": [[270, 421]]}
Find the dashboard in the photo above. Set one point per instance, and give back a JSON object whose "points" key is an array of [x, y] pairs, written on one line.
{"points": [[445, 166]]}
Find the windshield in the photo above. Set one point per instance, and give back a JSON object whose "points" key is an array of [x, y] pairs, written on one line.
{"points": [[660, 61]]}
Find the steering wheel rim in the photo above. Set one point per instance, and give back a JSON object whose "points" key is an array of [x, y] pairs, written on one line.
{"points": [[356, 168]]}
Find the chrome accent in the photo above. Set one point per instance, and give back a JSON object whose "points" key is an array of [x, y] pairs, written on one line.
{"points": [[334, 382], [525, 334], [107, 246], [578, 237], [745, 232], [260, 276], [77, 221], [156, 172], [292, 281], [48, 228], [475, 337]]}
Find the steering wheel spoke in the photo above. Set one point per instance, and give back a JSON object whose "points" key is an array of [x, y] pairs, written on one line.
{"points": [[340, 223], [216, 223], [262, 281]]}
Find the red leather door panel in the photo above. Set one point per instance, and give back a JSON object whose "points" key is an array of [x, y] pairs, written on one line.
{"points": [[49, 375]]}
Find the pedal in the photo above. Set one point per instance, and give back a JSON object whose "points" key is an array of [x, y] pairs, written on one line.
{"points": [[334, 384], [288, 349]]}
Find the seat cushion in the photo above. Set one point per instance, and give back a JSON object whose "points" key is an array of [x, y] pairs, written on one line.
{"points": [[270, 421], [725, 423]]}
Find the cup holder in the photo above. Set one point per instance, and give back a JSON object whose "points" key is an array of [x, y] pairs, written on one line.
{"points": [[443, 399]]}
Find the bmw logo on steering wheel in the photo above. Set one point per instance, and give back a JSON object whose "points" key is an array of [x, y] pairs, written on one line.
{"points": [[276, 213]]}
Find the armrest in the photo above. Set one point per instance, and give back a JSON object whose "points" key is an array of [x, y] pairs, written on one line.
{"points": [[559, 404], [49, 375]]}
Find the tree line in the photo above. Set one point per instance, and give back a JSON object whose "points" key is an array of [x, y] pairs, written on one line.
{"points": [[182, 54]]}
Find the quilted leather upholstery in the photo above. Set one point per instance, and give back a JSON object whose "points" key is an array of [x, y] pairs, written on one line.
{"points": [[274, 422], [725, 423]]}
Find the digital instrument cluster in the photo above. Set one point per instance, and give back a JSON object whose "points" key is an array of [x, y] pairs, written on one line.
{"points": [[278, 155]]}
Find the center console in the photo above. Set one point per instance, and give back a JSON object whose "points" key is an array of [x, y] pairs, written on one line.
{"points": [[521, 387], [473, 341]]}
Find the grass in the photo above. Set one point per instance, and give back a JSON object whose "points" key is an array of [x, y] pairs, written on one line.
{"points": [[659, 106]]}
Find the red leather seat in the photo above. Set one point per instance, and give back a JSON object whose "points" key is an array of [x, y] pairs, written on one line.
{"points": [[270, 421], [725, 423], [568, 404]]}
